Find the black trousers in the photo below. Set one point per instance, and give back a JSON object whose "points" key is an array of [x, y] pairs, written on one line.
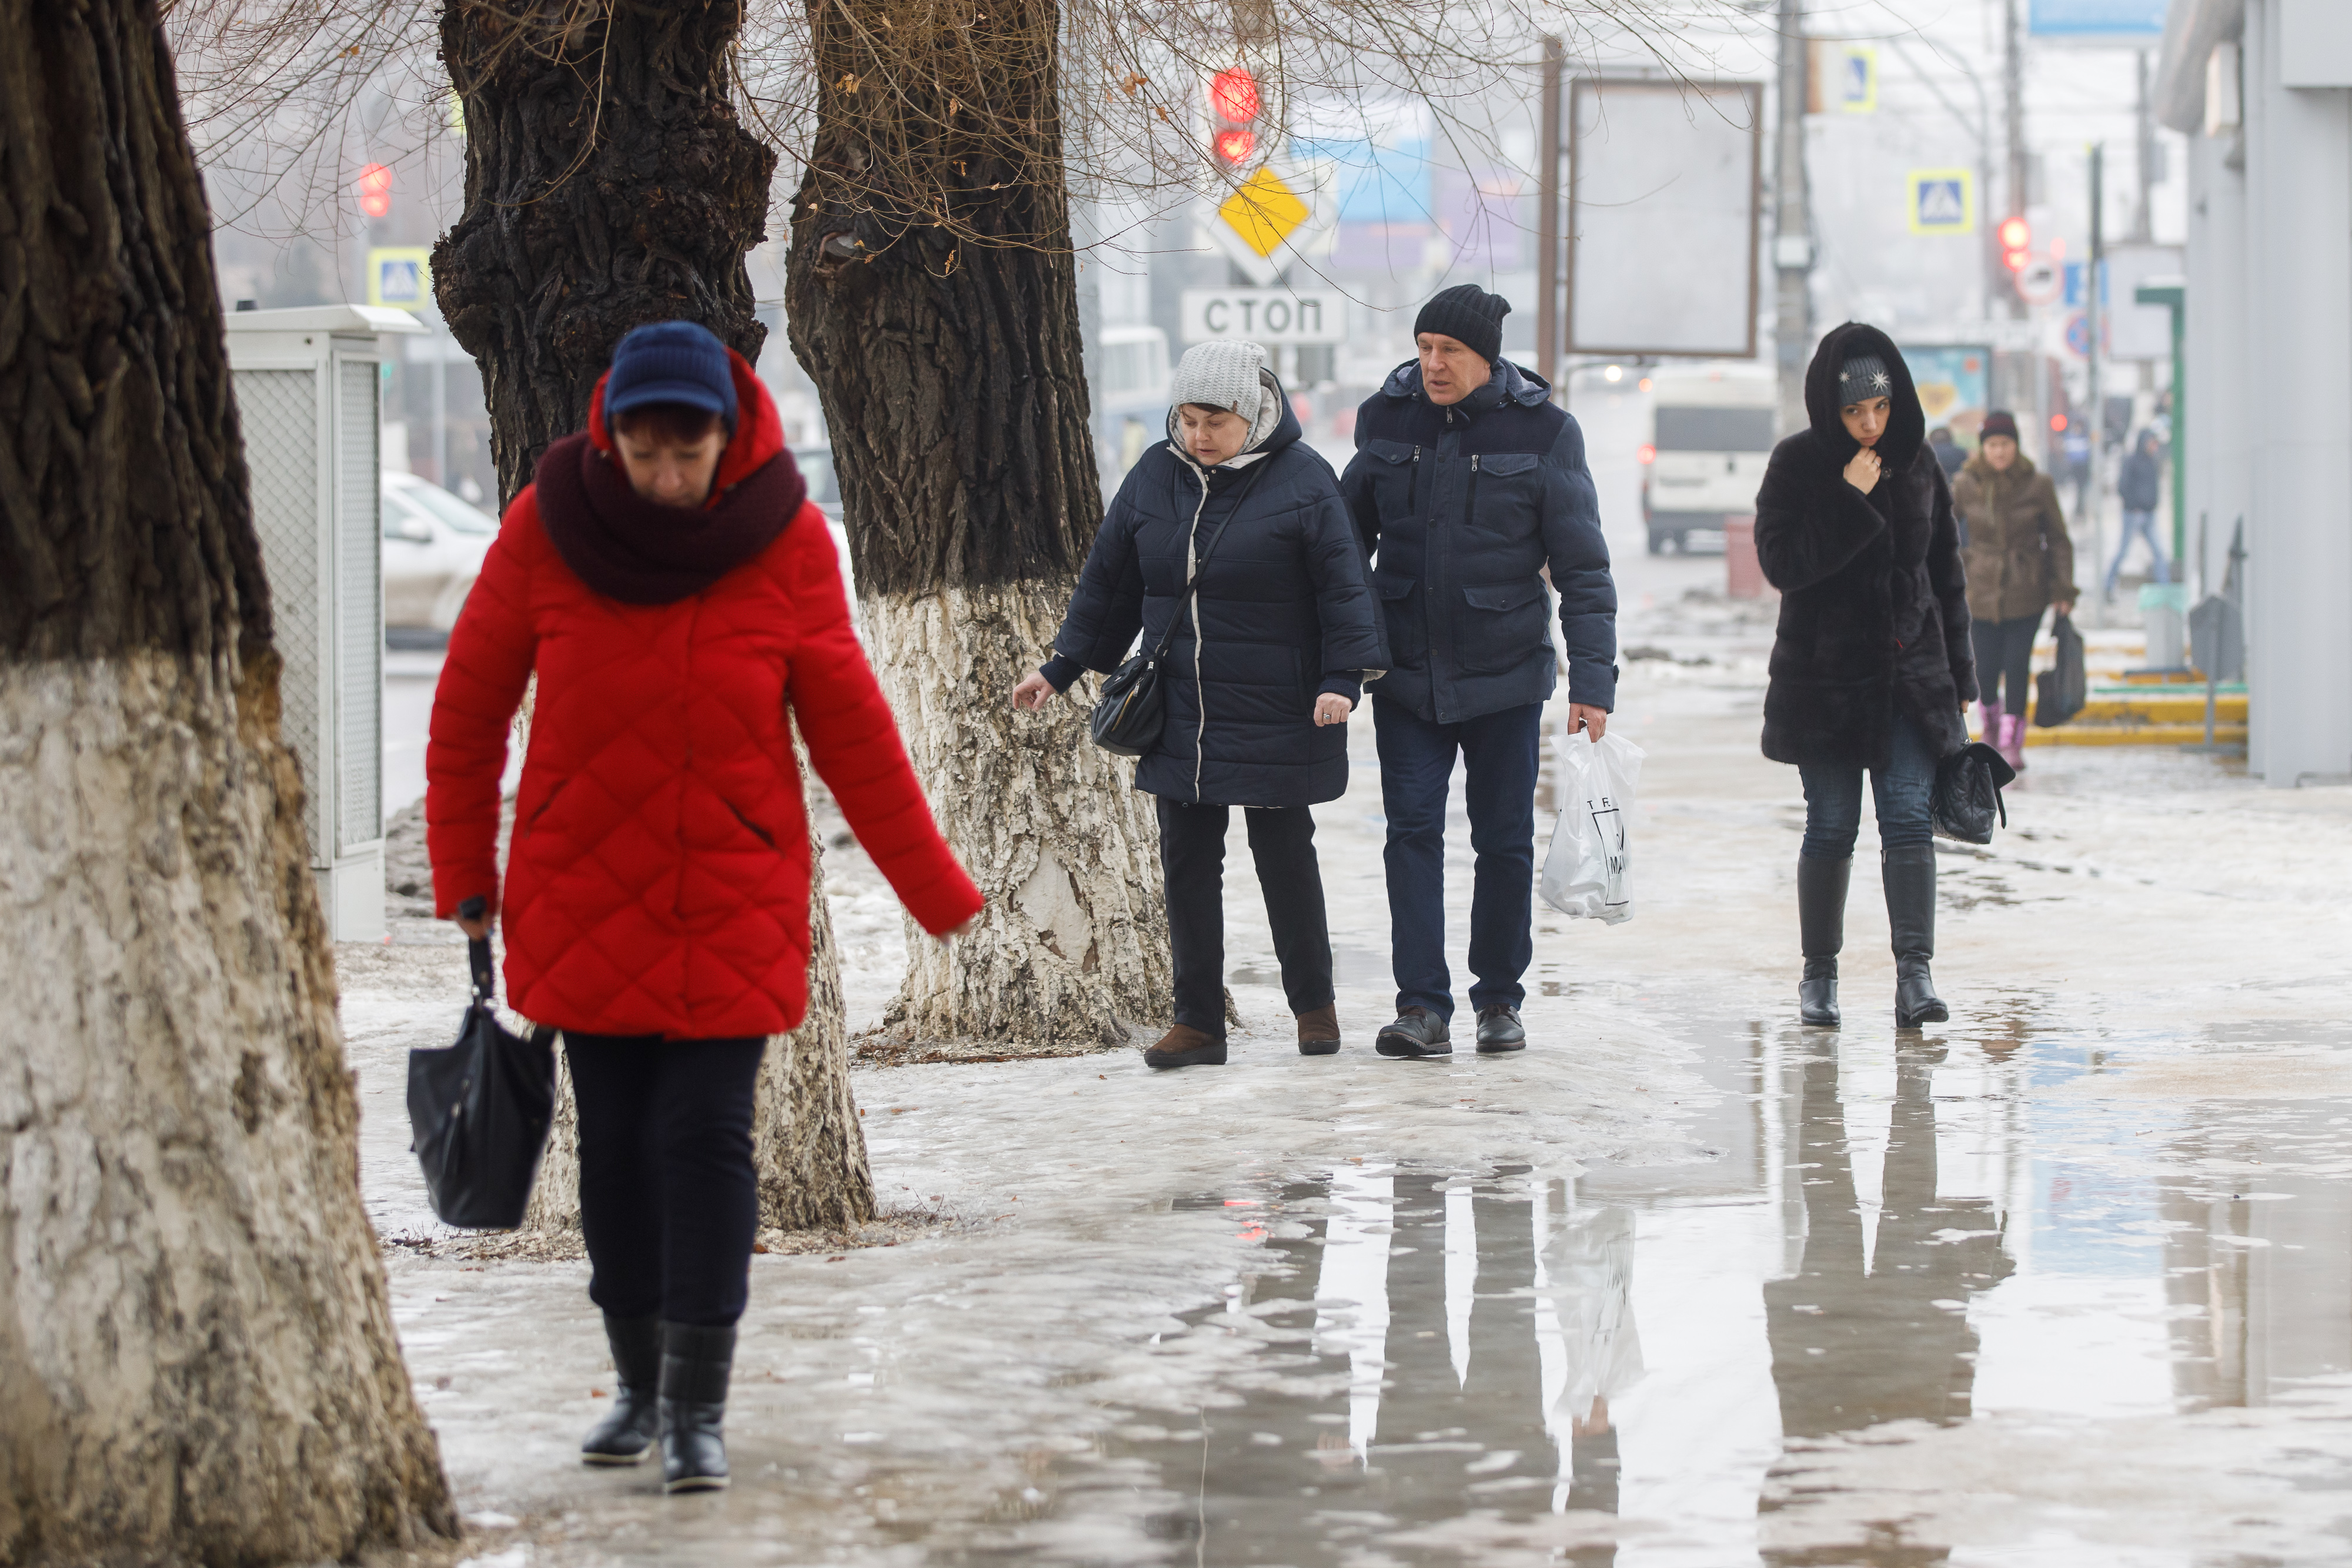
{"points": [[669, 1201], [2005, 661], [1193, 859]]}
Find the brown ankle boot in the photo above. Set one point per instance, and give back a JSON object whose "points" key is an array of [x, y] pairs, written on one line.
{"points": [[1184, 1046], [1318, 1032]]}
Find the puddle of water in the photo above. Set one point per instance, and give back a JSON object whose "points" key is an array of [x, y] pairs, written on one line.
{"points": [[1625, 1367]]}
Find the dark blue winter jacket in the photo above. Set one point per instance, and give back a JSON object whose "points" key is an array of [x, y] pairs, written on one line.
{"points": [[1283, 615], [1465, 506]]}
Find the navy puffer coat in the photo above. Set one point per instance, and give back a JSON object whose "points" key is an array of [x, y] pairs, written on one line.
{"points": [[1283, 614], [1467, 505]]}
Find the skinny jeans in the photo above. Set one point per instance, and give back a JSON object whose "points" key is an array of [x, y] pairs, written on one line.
{"points": [[1904, 791], [669, 1204]]}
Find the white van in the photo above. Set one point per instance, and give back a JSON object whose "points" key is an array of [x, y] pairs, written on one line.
{"points": [[1711, 432]]}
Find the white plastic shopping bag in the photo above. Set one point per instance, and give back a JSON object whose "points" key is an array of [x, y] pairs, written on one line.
{"points": [[1587, 872]]}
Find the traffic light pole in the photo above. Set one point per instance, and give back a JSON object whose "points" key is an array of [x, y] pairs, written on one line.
{"points": [[1548, 324]]}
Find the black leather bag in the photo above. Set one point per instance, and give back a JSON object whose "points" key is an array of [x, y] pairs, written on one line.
{"points": [[2060, 692], [1967, 793], [479, 1110], [1133, 708]]}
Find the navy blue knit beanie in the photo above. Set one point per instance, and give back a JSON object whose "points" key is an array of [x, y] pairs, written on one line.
{"points": [[672, 363], [1469, 315]]}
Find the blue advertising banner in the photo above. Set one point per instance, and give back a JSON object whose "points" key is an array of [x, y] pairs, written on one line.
{"points": [[1955, 386], [2098, 21]]}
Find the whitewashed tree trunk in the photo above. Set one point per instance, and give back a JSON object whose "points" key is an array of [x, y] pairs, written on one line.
{"points": [[1072, 949], [197, 1361]]}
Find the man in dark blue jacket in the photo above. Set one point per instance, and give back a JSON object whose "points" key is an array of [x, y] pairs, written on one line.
{"points": [[1468, 482]]}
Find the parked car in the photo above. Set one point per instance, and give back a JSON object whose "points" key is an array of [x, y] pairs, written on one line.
{"points": [[433, 549]]}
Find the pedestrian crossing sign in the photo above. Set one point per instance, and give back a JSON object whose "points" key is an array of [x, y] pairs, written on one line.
{"points": [[1943, 202]]}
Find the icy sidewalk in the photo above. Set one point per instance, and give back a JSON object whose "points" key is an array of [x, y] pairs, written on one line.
{"points": [[2066, 1283]]}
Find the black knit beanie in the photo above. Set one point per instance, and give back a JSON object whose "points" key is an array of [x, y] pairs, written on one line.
{"points": [[1468, 314]]}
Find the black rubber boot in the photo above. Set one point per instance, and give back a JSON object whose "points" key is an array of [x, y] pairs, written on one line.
{"points": [[1820, 923], [1909, 872], [626, 1435], [696, 1362]]}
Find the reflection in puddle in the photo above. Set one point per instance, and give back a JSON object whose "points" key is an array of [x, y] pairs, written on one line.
{"points": [[1629, 1366]]}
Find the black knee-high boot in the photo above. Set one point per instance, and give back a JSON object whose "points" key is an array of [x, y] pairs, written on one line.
{"points": [[1909, 871], [1820, 923]]}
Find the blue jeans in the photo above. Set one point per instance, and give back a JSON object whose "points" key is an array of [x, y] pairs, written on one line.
{"points": [[1499, 752], [1904, 789], [2139, 525]]}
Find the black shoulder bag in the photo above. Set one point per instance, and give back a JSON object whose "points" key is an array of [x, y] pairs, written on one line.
{"points": [[1967, 795], [479, 1110], [1133, 708]]}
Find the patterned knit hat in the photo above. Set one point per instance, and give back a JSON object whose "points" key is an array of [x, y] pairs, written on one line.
{"points": [[1864, 377]]}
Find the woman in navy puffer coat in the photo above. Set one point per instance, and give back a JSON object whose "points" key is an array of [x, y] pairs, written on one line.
{"points": [[1267, 660]]}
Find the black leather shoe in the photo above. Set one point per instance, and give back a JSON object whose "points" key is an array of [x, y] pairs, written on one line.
{"points": [[1416, 1032], [1184, 1046], [626, 1435], [1499, 1029], [1909, 873], [696, 1362]]}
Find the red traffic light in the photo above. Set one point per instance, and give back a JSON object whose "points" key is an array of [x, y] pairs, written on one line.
{"points": [[2017, 260], [1235, 145], [1233, 95], [2016, 241], [375, 190]]}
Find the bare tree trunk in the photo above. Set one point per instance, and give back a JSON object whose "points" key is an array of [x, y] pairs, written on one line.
{"points": [[197, 1361], [933, 298], [608, 184]]}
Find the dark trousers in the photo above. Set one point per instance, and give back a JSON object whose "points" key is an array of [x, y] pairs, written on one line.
{"points": [[669, 1201], [2005, 661], [1499, 754], [1193, 861], [1904, 791]]}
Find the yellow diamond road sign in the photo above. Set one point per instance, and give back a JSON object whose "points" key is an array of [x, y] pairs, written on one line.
{"points": [[1265, 212]]}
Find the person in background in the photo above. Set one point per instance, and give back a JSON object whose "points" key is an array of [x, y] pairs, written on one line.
{"points": [[679, 599], [1470, 483], [1871, 666], [1268, 661], [2021, 561], [2140, 486], [1949, 454]]}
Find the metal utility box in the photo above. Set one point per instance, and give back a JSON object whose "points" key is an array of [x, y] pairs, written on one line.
{"points": [[307, 391]]}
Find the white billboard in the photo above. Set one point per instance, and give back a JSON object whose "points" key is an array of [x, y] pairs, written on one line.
{"points": [[1664, 198]]}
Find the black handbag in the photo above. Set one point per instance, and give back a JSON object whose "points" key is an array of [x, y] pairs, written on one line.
{"points": [[479, 1110], [2060, 691], [1967, 793], [1133, 708]]}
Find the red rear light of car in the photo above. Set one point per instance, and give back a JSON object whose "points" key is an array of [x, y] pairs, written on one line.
{"points": [[1647, 453]]}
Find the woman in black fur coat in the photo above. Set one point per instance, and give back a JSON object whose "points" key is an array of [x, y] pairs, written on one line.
{"points": [[1871, 668]]}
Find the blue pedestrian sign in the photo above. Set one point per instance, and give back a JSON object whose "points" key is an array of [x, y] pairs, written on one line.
{"points": [[1942, 200]]}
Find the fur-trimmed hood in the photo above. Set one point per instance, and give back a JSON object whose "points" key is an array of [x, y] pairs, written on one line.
{"points": [[1906, 424]]}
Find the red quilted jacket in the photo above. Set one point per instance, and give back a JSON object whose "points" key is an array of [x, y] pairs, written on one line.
{"points": [[659, 879]]}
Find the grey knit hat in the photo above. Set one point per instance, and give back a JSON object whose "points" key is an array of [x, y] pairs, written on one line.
{"points": [[1864, 376], [1232, 376]]}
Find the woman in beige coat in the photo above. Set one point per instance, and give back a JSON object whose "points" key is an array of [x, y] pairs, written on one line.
{"points": [[2020, 562]]}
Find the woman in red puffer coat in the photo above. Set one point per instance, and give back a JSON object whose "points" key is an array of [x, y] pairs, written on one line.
{"points": [[673, 589]]}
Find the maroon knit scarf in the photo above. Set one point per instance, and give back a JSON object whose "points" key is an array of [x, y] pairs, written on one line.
{"points": [[640, 552]]}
